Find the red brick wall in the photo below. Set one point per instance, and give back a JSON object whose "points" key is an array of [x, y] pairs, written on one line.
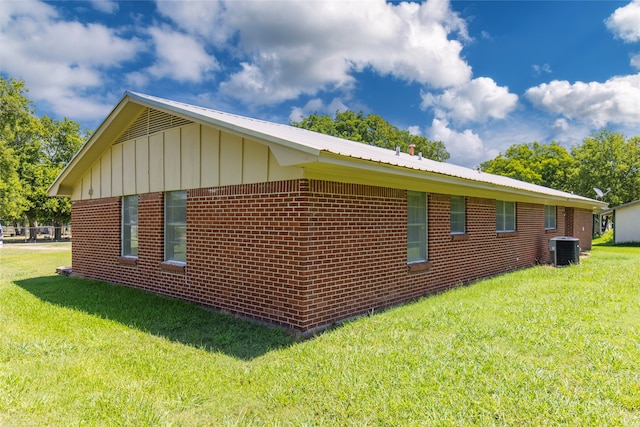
{"points": [[95, 245], [304, 254], [580, 225]]}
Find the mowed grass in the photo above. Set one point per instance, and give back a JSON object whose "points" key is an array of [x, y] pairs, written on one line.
{"points": [[542, 346]]}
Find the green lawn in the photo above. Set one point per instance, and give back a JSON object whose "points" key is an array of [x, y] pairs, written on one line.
{"points": [[542, 346]]}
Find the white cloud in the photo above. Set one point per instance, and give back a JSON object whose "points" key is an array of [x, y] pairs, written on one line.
{"points": [[625, 22], [317, 106], [474, 101], [106, 6], [61, 61], [615, 101], [560, 125], [466, 147], [539, 69], [293, 48], [414, 130], [206, 19], [635, 61], [180, 57]]}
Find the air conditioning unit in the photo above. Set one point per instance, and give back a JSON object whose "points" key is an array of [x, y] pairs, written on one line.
{"points": [[564, 251]]}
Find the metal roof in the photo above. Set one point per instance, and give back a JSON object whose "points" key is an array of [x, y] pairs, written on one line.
{"points": [[317, 143], [320, 151]]}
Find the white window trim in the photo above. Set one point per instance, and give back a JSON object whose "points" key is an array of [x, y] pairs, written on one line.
{"points": [[426, 227], [464, 215], [502, 214], [122, 228], [167, 260], [549, 215]]}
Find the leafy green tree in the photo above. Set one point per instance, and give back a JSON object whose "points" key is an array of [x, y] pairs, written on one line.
{"points": [[547, 165], [15, 116], [36, 150], [60, 141], [609, 162], [12, 203], [373, 130]]}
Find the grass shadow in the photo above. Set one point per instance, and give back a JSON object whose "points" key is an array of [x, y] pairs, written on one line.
{"points": [[176, 320]]}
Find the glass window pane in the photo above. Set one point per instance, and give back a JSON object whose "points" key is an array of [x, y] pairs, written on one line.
{"points": [[176, 226], [458, 214], [129, 226], [549, 217], [416, 226], [505, 216]]}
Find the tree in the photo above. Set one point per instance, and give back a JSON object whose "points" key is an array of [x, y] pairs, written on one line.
{"points": [[373, 130], [609, 162], [15, 115], [60, 141], [547, 165], [34, 151], [12, 203]]}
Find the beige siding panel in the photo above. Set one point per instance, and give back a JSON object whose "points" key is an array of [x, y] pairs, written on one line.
{"points": [[116, 170], [142, 165], [255, 162], [230, 159], [105, 174], [95, 181], [129, 167], [190, 156], [77, 191], [283, 173], [172, 160], [156, 162], [210, 157], [86, 185]]}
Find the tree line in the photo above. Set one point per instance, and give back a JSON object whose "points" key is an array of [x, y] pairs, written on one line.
{"points": [[34, 150]]}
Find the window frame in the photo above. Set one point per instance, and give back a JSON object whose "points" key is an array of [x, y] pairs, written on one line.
{"points": [[453, 213], [417, 225], [127, 227], [502, 216], [550, 216], [174, 221]]}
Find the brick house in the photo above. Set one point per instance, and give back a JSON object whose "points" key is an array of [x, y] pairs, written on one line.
{"points": [[288, 226]]}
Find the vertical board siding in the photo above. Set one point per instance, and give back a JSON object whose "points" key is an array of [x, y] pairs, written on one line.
{"points": [[116, 171], [172, 160], [190, 156], [105, 174], [129, 167], [210, 157], [230, 159], [156, 162], [142, 165], [181, 158], [255, 162]]}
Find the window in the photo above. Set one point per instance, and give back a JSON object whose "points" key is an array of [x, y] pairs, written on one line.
{"points": [[416, 226], [175, 226], [130, 226], [458, 212], [505, 216], [549, 217]]}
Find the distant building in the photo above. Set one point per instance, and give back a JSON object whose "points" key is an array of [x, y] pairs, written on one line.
{"points": [[626, 222]]}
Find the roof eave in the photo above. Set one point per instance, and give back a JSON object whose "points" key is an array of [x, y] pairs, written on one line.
{"points": [[421, 178]]}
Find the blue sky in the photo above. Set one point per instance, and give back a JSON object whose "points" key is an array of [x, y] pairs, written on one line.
{"points": [[477, 75]]}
